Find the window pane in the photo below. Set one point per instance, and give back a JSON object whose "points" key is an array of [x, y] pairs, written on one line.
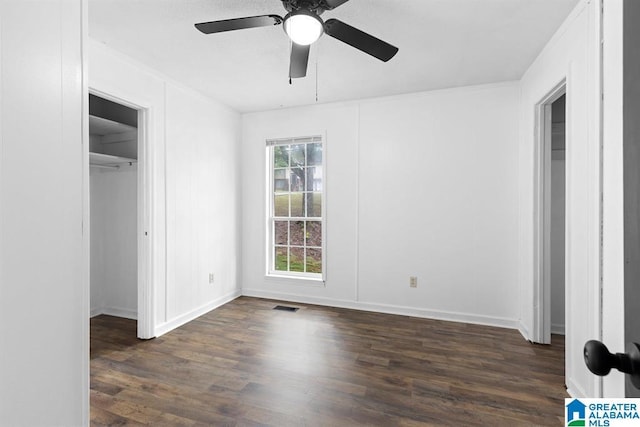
{"points": [[314, 261], [281, 205], [315, 204], [297, 177], [281, 230], [297, 155], [313, 178], [281, 156], [297, 204], [311, 208], [297, 233], [280, 262], [314, 154], [280, 180], [314, 233], [297, 260]]}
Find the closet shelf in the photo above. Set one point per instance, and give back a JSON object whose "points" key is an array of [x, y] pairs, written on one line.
{"points": [[102, 126], [107, 161]]}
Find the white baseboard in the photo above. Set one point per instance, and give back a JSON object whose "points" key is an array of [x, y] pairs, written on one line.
{"points": [[524, 331], [193, 314], [115, 311], [387, 308], [555, 329], [574, 391]]}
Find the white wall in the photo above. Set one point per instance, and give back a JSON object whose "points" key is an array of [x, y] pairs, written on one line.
{"points": [[203, 203], [114, 241], [195, 211], [43, 301], [340, 123], [418, 185], [571, 54]]}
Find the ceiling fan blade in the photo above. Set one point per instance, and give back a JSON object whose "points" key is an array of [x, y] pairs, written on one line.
{"points": [[299, 60], [360, 40], [238, 23], [332, 4]]}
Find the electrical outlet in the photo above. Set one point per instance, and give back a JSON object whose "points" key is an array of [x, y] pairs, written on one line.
{"points": [[210, 277], [413, 281]]}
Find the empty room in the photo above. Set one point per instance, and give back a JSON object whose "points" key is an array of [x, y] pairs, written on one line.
{"points": [[316, 212]]}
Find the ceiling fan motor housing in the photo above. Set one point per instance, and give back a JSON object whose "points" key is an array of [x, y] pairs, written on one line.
{"points": [[315, 6]]}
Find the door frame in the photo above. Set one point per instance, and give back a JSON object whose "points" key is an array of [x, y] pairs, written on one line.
{"points": [[145, 291], [541, 332]]}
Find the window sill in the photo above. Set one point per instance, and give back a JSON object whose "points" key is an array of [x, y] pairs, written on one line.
{"points": [[297, 280]]}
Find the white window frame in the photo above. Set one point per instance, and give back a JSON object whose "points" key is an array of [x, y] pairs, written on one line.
{"points": [[271, 272]]}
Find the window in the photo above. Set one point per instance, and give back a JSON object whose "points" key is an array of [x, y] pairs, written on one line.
{"points": [[296, 226]]}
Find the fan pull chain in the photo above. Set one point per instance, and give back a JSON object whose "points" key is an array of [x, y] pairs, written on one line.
{"points": [[317, 55], [290, 49]]}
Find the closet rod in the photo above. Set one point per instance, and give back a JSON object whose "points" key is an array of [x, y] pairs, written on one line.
{"points": [[105, 166]]}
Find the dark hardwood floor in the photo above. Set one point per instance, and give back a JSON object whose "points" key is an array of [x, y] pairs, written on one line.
{"points": [[245, 364]]}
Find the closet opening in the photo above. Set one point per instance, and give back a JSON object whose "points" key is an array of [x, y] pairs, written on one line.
{"points": [[550, 220], [114, 208], [557, 216]]}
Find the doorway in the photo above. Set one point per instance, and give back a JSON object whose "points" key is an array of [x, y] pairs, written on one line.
{"points": [[557, 216], [113, 195], [118, 195], [550, 217]]}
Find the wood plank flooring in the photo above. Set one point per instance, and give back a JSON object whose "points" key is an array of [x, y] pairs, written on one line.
{"points": [[245, 364]]}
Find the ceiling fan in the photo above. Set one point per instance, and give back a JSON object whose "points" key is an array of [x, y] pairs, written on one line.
{"points": [[304, 26]]}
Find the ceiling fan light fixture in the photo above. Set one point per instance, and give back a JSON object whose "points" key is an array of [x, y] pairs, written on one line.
{"points": [[303, 27]]}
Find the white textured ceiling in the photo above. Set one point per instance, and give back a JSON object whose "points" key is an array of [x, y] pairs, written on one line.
{"points": [[443, 43]]}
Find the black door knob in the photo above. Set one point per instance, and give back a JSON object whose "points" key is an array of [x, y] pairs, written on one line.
{"points": [[600, 361], [598, 358]]}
